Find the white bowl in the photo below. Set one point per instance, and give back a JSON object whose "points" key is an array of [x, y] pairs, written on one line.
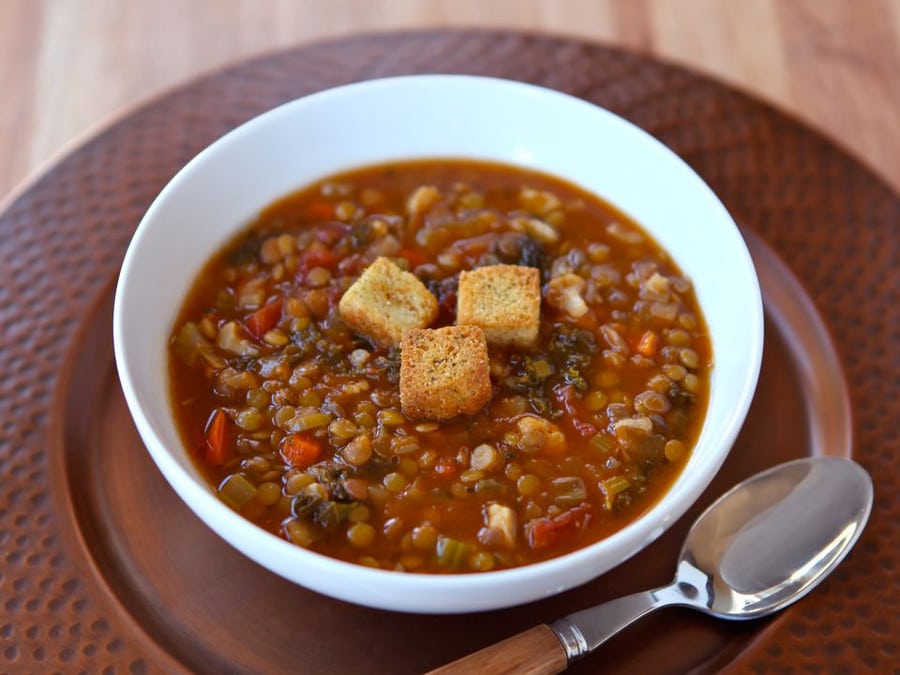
{"points": [[227, 184]]}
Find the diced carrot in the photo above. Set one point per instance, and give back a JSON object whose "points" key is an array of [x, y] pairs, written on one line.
{"points": [[544, 532], [648, 344], [265, 318], [216, 434], [320, 210], [300, 451]]}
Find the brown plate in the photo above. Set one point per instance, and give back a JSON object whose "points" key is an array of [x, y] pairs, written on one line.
{"points": [[103, 569], [207, 606]]}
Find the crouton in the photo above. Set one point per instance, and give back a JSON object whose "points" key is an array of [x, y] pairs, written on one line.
{"points": [[385, 302], [444, 372], [504, 301]]}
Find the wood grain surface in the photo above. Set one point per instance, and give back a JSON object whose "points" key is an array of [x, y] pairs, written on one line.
{"points": [[68, 66]]}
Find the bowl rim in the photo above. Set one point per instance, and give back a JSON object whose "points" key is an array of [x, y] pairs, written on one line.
{"points": [[215, 514]]}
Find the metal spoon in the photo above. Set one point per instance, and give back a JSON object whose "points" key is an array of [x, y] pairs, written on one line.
{"points": [[760, 547]]}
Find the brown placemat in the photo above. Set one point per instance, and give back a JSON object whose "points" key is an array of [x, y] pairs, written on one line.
{"points": [[62, 240]]}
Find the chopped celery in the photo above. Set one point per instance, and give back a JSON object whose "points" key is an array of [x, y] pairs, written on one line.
{"points": [[236, 491], [568, 490], [451, 553], [603, 443], [611, 488], [189, 343]]}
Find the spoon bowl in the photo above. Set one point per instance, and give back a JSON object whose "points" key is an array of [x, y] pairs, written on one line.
{"points": [[760, 547], [769, 541]]}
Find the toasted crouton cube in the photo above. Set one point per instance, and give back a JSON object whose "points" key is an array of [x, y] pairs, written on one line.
{"points": [[385, 302], [504, 301], [444, 372]]}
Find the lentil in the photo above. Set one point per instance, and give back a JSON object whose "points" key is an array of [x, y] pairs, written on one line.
{"points": [[268, 493], [528, 485], [395, 482], [484, 457]]}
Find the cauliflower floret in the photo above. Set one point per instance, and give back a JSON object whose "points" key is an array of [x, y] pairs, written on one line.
{"points": [[422, 200], [564, 293], [540, 202], [536, 229], [230, 339], [631, 425], [500, 529]]}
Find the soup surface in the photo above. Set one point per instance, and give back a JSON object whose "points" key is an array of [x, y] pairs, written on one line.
{"points": [[291, 403]]}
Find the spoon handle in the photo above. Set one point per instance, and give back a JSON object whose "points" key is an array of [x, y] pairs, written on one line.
{"points": [[584, 631], [545, 650], [536, 651]]}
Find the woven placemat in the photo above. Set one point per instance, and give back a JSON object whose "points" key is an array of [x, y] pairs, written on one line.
{"points": [[63, 238]]}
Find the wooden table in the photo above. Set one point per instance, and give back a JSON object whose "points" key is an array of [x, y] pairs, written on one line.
{"points": [[68, 66]]}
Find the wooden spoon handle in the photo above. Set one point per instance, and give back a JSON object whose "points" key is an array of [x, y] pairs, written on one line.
{"points": [[537, 651]]}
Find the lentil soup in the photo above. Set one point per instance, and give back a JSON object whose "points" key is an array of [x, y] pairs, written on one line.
{"points": [[296, 418]]}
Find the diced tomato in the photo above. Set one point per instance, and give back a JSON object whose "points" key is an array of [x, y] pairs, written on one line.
{"points": [[265, 318], [544, 532], [320, 210], [414, 257], [445, 467], [584, 428], [565, 395], [352, 265], [300, 451], [216, 434], [317, 258], [329, 233]]}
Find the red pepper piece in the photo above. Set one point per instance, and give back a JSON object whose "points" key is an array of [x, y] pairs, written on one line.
{"points": [[544, 532], [565, 395], [265, 318]]}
